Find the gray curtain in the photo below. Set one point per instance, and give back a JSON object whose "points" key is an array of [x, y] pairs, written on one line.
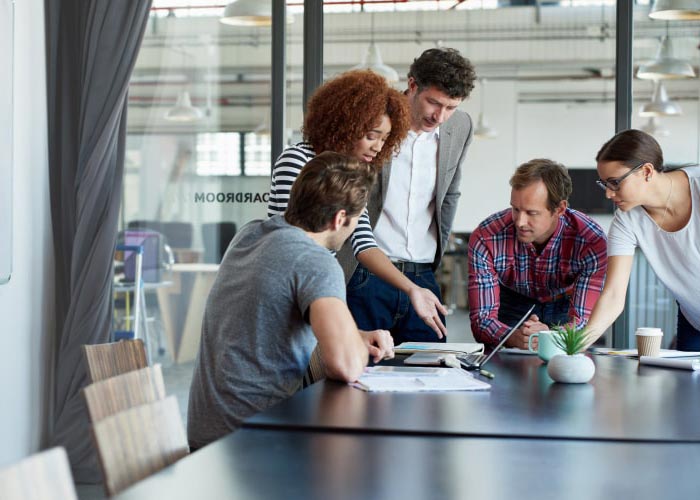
{"points": [[92, 46]]}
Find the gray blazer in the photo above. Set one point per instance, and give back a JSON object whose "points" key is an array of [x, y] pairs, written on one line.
{"points": [[455, 137]]}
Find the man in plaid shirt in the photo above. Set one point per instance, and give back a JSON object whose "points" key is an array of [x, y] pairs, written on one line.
{"points": [[538, 251]]}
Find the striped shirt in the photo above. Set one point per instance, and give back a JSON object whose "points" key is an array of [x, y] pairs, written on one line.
{"points": [[285, 172], [573, 264]]}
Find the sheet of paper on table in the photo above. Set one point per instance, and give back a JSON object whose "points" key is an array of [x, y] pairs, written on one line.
{"points": [[414, 379], [680, 364], [632, 353]]}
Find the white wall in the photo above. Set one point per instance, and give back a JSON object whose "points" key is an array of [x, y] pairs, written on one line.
{"points": [[26, 302]]}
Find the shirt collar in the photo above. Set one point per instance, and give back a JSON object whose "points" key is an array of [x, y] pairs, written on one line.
{"points": [[425, 136]]}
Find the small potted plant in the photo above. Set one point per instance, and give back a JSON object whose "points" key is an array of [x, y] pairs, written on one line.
{"points": [[573, 367]]}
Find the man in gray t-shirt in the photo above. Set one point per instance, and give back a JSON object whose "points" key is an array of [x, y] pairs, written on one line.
{"points": [[278, 292]]}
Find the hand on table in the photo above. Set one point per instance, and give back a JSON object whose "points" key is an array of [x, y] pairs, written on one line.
{"points": [[428, 307], [379, 343]]}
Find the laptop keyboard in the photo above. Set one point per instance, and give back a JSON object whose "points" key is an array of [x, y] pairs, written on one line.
{"points": [[472, 359]]}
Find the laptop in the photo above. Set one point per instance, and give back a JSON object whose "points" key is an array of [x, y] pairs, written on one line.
{"points": [[477, 361]]}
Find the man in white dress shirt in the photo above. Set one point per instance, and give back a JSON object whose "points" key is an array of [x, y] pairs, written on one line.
{"points": [[414, 202]]}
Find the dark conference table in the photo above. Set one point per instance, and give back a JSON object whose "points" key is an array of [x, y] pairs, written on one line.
{"points": [[623, 402], [264, 464]]}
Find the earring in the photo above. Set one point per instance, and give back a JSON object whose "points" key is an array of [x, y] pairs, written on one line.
{"points": [[647, 178]]}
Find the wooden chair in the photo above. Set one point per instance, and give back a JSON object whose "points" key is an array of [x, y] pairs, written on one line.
{"points": [[113, 395], [115, 358], [316, 371], [138, 442], [42, 475]]}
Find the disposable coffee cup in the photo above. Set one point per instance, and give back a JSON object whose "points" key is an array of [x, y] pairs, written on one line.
{"points": [[649, 341]]}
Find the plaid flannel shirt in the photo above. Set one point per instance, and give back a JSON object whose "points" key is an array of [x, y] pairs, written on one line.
{"points": [[573, 264]]}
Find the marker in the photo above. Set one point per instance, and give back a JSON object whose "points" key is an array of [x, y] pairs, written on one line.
{"points": [[486, 373]]}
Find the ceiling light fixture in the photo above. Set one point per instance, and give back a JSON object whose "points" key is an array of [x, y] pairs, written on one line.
{"points": [[250, 13], [660, 104], [665, 66], [483, 130], [183, 111], [373, 60], [675, 10], [654, 127]]}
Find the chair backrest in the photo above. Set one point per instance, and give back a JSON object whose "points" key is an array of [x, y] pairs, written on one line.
{"points": [[110, 396], [216, 237], [138, 442], [42, 475], [114, 358], [177, 234]]}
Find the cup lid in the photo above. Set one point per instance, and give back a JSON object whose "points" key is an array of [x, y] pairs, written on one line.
{"points": [[649, 331]]}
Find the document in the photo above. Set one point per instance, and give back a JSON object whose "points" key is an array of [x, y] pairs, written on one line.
{"points": [[632, 353], [681, 364], [515, 350], [414, 379], [439, 347]]}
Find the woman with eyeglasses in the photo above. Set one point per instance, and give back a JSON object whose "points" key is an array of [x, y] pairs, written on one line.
{"points": [[658, 210]]}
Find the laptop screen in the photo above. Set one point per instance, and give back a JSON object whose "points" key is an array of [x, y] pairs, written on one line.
{"points": [[507, 335]]}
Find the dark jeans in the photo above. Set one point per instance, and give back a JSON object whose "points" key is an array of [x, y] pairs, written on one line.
{"points": [[688, 337], [375, 304], [514, 305]]}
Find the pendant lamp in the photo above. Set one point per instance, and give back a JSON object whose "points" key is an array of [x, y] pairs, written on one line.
{"points": [[660, 104], [373, 60], [250, 13], [183, 111], [483, 130], [654, 127], [665, 66], [675, 10]]}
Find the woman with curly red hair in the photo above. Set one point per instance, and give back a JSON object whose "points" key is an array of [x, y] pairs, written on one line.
{"points": [[356, 113]]}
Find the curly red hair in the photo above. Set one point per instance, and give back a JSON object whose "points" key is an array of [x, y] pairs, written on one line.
{"points": [[344, 109]]}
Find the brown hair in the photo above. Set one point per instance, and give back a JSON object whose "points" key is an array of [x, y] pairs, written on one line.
{"points": [[446, 70], [554, 176], [632, 147], [344, 109], [328, 183]]}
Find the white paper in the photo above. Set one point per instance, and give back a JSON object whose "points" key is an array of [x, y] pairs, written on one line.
{"points": [[453, 379], [515, 350], [681, 364], [632, 353]]}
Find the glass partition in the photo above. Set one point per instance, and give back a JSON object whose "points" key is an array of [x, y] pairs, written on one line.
{"points": [[546, 88], [6, 141], [665, 92]]}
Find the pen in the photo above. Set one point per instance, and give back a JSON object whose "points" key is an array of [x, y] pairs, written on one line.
{"points": [[486, 373]]}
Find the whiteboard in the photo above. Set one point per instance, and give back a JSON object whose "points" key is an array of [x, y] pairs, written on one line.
{"points": [[6, 120]]}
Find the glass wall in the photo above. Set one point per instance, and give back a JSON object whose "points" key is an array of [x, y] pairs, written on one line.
{"points": [[198, 154], [665, 93], [546, 89]]}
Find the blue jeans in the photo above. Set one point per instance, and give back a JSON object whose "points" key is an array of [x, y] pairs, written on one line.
{"points": [[375, 304], [688, 337], [514, 305]]}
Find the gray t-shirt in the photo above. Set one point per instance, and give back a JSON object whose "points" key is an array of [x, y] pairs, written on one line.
{"points": [[256, 339]]}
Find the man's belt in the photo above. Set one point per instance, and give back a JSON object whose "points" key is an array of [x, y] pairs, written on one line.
{"points": [[412, 267]]}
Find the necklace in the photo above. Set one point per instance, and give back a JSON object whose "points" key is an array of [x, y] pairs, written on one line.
{"points": [[668, 198]]}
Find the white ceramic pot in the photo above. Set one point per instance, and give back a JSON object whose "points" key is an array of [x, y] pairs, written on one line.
{"points": [[576, 369]]}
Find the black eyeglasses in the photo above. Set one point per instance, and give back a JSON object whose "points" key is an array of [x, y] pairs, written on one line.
{"points": [[614, 184]]}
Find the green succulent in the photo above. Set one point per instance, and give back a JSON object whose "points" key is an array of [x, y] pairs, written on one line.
{"points": [[569, 339]]}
